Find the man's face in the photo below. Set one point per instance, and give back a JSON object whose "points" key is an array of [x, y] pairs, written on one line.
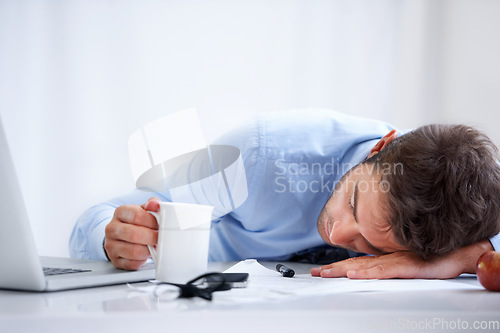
{"points": [[355, 215]]}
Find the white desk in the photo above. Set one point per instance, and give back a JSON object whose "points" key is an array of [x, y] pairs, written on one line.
{"points": [[116, 309]]}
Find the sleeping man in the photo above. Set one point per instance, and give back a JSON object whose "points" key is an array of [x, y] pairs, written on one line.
{"points": [[352, 195]]}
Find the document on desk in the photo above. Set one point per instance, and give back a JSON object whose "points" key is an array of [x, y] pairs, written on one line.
{"points": [[268, 285]]}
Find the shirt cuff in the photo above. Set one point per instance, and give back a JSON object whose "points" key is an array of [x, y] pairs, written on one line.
{"points": [[96, 242], [495, 241]]}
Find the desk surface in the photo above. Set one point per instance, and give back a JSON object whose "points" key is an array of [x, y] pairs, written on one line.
{"points": [[115, 307]]}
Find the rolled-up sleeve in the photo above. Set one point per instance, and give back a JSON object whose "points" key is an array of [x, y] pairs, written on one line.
{"points": [[495, 241]]}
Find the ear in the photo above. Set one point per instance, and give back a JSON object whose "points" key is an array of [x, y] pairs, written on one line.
{"points": [[383, 142]]}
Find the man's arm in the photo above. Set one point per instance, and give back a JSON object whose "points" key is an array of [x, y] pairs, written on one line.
{"points": [[406, 265], [87, 238]]}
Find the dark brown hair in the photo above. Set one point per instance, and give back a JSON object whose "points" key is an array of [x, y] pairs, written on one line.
{"points": [[443, 188]]}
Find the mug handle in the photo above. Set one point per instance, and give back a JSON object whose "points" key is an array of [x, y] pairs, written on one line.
{"points": [[151, 249]]}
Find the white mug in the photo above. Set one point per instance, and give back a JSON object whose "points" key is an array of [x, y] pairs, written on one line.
{"points": [[183, 239]]}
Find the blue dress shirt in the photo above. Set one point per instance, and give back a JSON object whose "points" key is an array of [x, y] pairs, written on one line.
{"points": [[292, 159]]}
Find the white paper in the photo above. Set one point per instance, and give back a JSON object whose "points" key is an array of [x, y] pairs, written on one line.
{"points": [[265, 285], [253, 268]]}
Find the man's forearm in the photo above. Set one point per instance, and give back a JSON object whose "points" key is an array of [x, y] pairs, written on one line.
{"points": [[406, 265]]}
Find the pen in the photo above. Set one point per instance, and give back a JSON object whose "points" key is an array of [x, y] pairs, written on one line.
{"points": [[285, 271]]}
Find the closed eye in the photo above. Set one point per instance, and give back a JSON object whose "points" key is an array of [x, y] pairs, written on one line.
{"points": [[353, 203]]}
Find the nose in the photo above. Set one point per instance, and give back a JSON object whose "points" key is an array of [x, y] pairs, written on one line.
{"points": [[343, 232]]}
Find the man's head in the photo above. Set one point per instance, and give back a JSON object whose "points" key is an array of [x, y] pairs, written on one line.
{"points": [[430, 191], [446, 194]]}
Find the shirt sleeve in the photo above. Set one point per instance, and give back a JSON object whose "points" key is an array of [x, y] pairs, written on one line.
{"points": [[495, 241], [87, 238]]}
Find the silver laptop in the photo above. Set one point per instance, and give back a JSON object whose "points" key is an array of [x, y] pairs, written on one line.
{"points": [[20, 266]]}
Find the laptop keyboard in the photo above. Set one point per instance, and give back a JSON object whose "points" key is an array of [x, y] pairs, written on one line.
{"points": [[57, 271]]}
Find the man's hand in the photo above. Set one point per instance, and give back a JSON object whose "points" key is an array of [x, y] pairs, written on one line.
{"points": [[128, 234], [406, 265]]}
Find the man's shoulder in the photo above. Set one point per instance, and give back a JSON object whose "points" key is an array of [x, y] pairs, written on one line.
{"points": [[271, 127], [299, 121], [299, 131], [313, 120]]}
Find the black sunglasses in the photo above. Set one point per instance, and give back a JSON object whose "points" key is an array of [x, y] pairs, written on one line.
{"points": [[197, 287]]}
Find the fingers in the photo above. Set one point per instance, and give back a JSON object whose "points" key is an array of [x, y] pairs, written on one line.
{"points": [[340, 269], [126, 255], [127, 235], [127, 264], [153, 204], [126, 244], [135, 215], [400, 264], [131, 233], [375, 272]]}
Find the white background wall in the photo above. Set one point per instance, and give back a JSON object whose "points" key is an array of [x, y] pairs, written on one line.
{"points": [[77, 77]]}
